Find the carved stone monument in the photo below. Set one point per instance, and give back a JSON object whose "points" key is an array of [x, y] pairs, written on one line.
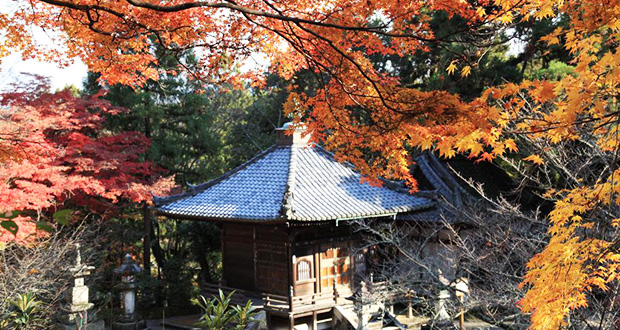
{"points": [[78, 314]]}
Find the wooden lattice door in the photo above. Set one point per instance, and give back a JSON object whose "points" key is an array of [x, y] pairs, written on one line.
{"points": [[303, 272], [335, 267]]}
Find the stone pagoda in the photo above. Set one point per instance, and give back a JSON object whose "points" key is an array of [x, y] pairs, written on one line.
{"points": [[77, 312]]}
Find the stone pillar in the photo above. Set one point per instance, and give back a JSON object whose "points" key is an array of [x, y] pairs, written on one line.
{"points": [[77, 311]]}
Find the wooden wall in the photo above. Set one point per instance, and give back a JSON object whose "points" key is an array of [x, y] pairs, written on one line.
{"points": [[328, 249], [259, 258], [255, 257], [238, 257], [272, 259]]}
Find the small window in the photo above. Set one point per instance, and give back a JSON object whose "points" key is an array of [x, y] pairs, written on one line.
{"points": [[303, 270]]}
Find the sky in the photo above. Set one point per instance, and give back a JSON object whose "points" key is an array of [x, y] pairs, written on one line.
{"points": [[13, 66]]}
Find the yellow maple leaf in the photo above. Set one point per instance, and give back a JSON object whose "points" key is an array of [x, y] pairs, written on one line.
{"points": [[451, 67], [534, 159], [551, 40], [506, 18], [465, 71]]}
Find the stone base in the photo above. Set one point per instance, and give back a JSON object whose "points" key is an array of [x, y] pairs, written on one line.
{"points": [[71, 313], [97, 325], [135, 325]]}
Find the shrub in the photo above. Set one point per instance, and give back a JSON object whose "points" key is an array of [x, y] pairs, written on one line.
{"points": [[219, 314]]}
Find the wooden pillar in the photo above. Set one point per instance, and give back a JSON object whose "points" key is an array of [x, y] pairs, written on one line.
{"points": [[409, 310], [255, 257], [317, 268], [315, 323], [291, 319], [289, 256], [147, 239], [222, 250], [335, 288], [351, 270], [268, 319], [294, 274], [290, 299]]}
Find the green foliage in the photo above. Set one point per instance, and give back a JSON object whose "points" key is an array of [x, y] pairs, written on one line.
{"points": [[10, 226], [244, 315], [555, 71], [7, 223], [9, 215], [197, 132], [426, 70], [45, 226], [62, 216], [219, 314], [487, 51], [24, 314]]}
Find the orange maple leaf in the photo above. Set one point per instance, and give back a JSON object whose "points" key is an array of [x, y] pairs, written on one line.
{"points": [[534, 159]]}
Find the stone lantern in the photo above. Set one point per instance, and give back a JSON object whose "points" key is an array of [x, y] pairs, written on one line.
{"points": [[130, 319], [361, 301]]}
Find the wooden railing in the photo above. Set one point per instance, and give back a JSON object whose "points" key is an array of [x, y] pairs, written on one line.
{"points": [[300, 304]]}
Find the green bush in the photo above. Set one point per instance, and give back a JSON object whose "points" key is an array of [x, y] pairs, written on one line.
{"points": [[219, 314], [24, 313]]}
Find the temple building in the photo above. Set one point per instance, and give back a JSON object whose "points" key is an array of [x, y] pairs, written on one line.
{"points": [[285, 219]]}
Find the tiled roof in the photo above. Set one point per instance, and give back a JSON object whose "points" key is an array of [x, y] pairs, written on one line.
{"points": [[290, 182], [437, 214], [451, 179]]}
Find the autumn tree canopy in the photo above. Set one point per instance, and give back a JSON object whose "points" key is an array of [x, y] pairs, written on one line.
{"points": [[56, 156], [372, 117]]}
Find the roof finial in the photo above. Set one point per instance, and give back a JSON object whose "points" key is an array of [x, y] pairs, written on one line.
{"points": [[285, 138], [78, 257]]}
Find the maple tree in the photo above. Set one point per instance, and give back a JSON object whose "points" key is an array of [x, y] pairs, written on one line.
{"points": [[58, 159], [370, 117]]}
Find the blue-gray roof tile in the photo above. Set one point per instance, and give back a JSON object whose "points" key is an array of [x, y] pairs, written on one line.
{"points": [[291, 182]]}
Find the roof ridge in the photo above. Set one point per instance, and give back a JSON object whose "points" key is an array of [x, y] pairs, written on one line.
{"points": [[288, 211], [443, 172], [195, 189], [431, 174]]}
